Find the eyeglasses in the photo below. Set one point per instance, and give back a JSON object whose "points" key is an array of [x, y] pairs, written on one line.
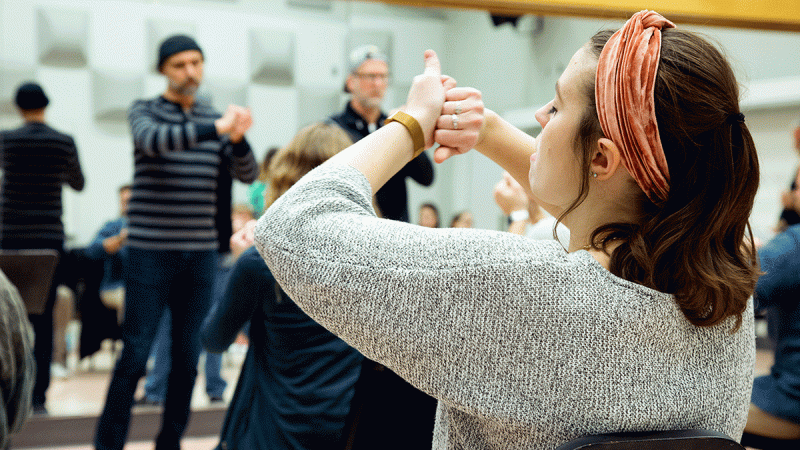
{"points": [[384, 77]]}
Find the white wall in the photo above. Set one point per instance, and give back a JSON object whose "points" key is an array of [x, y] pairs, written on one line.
{"points": [[513, 67], [112, 45]]}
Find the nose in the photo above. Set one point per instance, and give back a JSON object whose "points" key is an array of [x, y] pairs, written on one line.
{"points": [[541, 115]]}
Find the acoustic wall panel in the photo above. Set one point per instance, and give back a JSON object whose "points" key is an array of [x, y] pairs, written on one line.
{"points": [[10, 79], [113, 92], [63, 37], [272, 57], [315, 104]]}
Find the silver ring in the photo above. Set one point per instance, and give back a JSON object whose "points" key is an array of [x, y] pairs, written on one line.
{"points": [[455, 121], [458, 107]]}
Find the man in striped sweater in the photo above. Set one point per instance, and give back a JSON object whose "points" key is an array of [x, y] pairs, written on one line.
{"points": [[36, 161], [182, 147]]}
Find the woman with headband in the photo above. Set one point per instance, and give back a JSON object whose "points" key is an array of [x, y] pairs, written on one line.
{"points": [[643, 323]]}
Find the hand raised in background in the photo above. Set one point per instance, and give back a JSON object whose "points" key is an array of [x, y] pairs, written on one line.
{"points": [[243, 122], [509, 195], [235, 122], [243, 239]]}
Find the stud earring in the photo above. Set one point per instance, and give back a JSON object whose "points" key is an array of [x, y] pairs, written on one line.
{"points": [[594, 174]]}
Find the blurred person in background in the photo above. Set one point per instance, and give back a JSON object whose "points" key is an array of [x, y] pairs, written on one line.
{"points": [[297, 381], [37, 161]]}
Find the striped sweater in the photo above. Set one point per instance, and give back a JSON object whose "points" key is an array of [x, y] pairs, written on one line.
{"points": [[178, 160], [36, 160]]}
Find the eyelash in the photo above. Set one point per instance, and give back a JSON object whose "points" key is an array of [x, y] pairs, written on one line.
{"points": [[552, 110]]}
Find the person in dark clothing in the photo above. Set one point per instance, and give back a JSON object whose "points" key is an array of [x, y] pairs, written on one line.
{"points": [[36, 160], [297, 380], [181, 146], [773, 421], [791, 199], [367, 83], [386, 408]]}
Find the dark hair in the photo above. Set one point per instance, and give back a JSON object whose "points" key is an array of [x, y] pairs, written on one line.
{"points": [[458, 217], [693, 245], [435, 210]]}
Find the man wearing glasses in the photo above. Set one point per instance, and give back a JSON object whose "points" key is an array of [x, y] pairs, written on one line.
{"points": [[386, 411], [366, 83]]}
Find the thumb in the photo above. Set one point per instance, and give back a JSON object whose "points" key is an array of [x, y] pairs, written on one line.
{"points": [[432, 65]]}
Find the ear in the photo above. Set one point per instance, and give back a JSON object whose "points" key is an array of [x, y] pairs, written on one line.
{"points": [[606, 159], [348, 82]]}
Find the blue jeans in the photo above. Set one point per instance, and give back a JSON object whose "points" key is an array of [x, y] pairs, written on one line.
{"points": [[155, 386], [155, 280]]}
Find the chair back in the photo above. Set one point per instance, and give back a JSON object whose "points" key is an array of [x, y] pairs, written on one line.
{"points": [[31, 272], [658, 440]]}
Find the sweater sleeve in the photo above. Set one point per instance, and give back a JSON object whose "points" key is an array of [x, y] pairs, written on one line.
{"points": [[430, 304], [73, 175], [250, 281], [243, 163], [154, 137]]}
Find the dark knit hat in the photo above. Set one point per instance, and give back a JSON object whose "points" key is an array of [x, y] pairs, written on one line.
{"points": [[31, 96], [175, 44]]}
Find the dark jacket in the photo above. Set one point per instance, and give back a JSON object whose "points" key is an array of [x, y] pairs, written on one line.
{"points": [[778, 292], [297, 380], [392, 198]]}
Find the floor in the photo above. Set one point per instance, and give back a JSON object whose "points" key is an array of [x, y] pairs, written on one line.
{"points": [[207, 443], [81, 389], [82, 392]]}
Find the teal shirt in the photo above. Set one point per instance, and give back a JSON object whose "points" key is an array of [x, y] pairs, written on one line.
{"points": [[255, 196]]}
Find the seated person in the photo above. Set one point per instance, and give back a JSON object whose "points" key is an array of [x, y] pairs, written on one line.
{"points": [[429, 215], [646, 322], [110, 246], [297, 380], [774, 416], [525, 216], [462, 220]]}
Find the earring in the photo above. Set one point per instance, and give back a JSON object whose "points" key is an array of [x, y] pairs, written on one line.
{"points": [[594, 174]]}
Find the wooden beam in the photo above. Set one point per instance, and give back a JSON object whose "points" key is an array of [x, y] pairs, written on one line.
{"points": [[779, 15]]}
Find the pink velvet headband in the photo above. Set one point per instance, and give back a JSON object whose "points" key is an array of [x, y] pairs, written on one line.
{"points": [[626, 74]]}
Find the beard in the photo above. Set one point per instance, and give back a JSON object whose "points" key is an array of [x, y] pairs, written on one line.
{"points": [[369, 102], [187, 88]]}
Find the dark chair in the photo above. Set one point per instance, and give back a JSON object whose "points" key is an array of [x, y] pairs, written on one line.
{"points": [[31, 271], [657, 440]]}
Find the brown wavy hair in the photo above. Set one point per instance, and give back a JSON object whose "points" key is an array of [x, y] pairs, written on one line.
{"points": [[695, 244], [310, 147], [263, 168]]}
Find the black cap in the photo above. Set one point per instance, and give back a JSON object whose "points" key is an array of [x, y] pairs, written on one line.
{"points": [[175, 44], [31, 96]]}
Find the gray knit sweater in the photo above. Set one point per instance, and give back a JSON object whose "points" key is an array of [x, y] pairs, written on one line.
{"points": [[524, 345]]}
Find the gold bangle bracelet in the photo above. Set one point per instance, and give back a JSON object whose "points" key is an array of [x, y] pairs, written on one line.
{"points": [[413, 127]]}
